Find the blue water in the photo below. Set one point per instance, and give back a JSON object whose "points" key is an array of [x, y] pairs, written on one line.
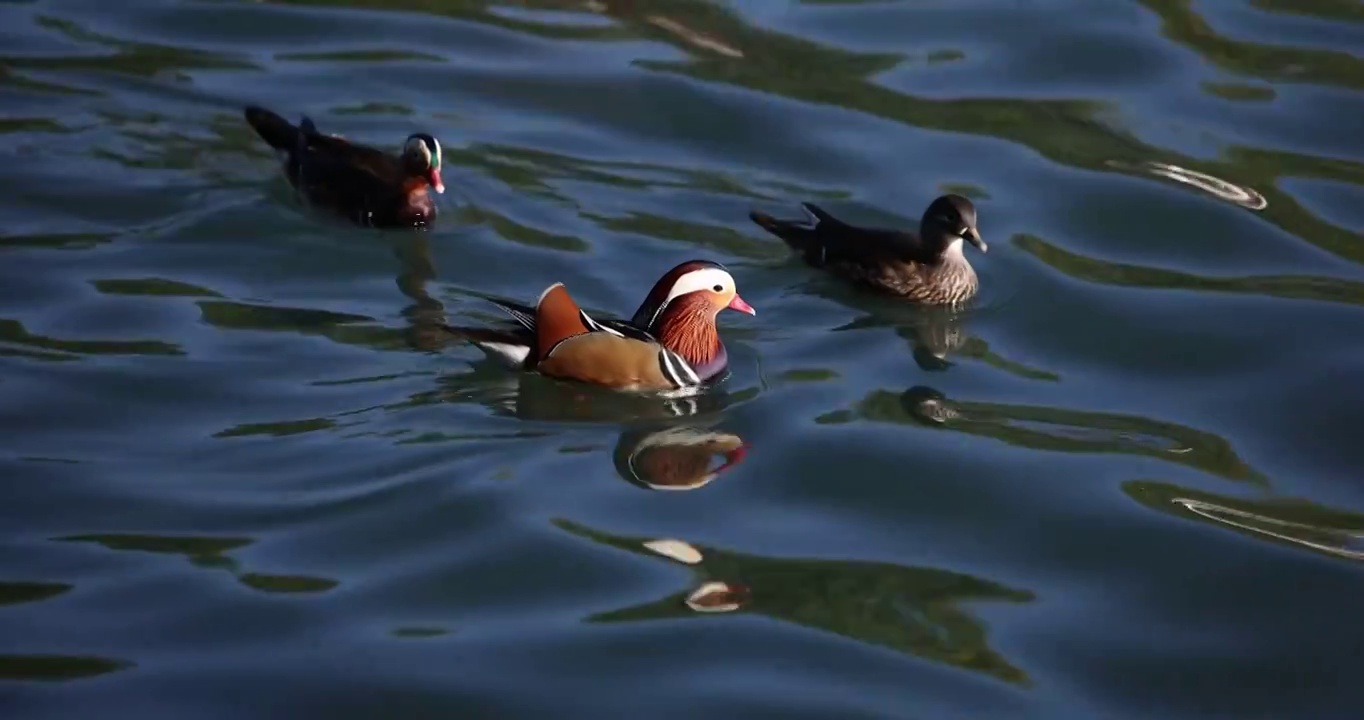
{"points": [[244, 474]]}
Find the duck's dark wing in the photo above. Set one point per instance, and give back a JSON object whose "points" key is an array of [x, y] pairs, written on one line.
{"points": [[334, 157], [360, 182], [525, 315], [325, 156], [823, 240], [277, 132]]}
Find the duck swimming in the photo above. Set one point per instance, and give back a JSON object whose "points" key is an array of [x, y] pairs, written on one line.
{"points": [[671, 342], [928, 268], [361, 183]]}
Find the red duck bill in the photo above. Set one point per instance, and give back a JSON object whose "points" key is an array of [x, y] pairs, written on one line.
{"points": [[738, 304]]}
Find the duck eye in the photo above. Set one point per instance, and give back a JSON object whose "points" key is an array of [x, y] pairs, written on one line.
{"points": [[718, 288]]}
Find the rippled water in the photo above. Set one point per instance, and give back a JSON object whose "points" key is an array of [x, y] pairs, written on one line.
{"points": [[244, 477]]}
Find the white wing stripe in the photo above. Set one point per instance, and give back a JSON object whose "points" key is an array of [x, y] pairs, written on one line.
{"points": [[595, 326], [678, 371], [692, 377], [666, 363]]}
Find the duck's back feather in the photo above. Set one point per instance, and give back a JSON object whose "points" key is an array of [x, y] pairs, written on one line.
{"points": [[525, 315], [277, 132], [824, 240], [362, 182]]}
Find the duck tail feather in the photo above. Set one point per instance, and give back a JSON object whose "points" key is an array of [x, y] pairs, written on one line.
{"points": [[800, 236], [509, 347], [277, 132]]}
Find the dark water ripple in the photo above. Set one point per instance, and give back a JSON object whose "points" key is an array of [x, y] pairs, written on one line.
{"points": [[243, 474]]}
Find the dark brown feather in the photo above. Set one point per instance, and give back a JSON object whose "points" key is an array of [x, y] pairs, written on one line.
{"points": [[277, 132], [358, 182]]}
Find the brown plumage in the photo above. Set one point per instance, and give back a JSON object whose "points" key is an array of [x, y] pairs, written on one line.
{"points": [[677, 458], [568, 347], [687, 327], [556, 337], [928, 267], [358, 182]]}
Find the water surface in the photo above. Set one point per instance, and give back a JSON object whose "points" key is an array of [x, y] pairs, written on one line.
{"points": [[246, 476]]}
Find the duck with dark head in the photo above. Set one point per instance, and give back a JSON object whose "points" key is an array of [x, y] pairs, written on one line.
{"points": [[928, 268], [358, 182]]}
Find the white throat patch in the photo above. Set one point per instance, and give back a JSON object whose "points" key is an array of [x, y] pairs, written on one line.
{"points": [[954, 249]]}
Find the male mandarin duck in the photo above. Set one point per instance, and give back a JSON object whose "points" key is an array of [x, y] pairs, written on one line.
{"points": [[364, 184], [928, 268], [670, 344]]}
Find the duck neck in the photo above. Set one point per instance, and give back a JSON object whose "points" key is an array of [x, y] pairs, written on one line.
{"points": [[688, 329], [953, 275], [952, 257]]}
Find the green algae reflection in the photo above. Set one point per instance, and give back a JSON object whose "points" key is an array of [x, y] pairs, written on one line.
{"points": [[1080, 267], [1295, 523], [913, 610], [17, 340], [1058, 429], [208, 552], [18, 593], [56, 668]]}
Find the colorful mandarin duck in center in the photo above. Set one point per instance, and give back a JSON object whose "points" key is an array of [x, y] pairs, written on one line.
{"points": [[928, 268], [361, 183], [670, 344]]}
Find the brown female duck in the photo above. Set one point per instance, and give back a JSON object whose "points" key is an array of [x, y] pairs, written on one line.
{"points": [[364, 184], [928, 268], [671, 343]]}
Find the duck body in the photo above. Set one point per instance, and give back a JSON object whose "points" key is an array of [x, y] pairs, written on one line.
{"points": [[928, 268], [361, 183], [512, 342], [669, 345]]}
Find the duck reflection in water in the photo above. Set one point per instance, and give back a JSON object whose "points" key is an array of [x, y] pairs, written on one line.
{"points": [[426, 315], [933, 333], [664, 443], [1062, 430], [676, 458], [711, 596], [922, 611]]}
